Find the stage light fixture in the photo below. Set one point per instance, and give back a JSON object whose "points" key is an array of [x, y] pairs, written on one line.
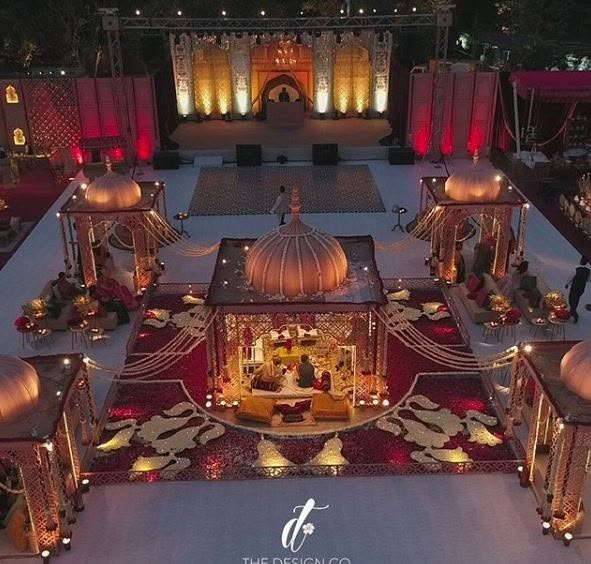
{"points": [[567, 538], [299, 38], [62, 72], [258, 39], [339, 38], [67, 543], [414, 8], [545, 527], [374, 11], [357, 33], [138, 13], [342, 11], [301, 12], [224, 13], [263, 13], [179, 13], [381, 37], [239, 34], [317, 33], [218, 39], [45, 556], [361, 11]]}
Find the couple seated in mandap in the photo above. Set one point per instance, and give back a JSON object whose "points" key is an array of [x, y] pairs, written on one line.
{"points": [[272, 372]]}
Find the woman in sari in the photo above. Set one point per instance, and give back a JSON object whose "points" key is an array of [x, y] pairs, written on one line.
{"points": [[110, 289]]}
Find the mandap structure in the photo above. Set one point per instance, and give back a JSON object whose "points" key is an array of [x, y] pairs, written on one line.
{"points": [[88, 216], [45, 401], [480, 194], [551, 384], [297, 291]]}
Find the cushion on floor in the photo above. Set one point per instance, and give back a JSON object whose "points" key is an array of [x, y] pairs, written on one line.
{"points": [[256, 409], [326, 407]]}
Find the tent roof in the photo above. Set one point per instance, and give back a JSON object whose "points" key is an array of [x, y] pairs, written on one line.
{"points": [[554, 86]]}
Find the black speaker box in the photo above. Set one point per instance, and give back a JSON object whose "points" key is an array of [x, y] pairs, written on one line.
{"points": [[325, 154], [166, 160], [401, 156], [249, 155]]}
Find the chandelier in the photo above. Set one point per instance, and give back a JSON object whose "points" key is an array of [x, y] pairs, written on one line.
{"points": [[285, 53]]}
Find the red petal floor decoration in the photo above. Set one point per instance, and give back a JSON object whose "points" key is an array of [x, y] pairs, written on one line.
{"points": [[368, 449]]}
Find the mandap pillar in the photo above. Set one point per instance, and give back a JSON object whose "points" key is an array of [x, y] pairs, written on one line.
{"points": [[144, 252], [85, 237], [570, 475], [503, 216], [447, 250]]}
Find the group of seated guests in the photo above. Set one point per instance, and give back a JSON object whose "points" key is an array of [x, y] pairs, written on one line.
{"points": [[270, 374], [110, 295]]}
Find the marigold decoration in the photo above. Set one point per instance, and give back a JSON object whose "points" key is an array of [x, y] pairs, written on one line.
{"points": [[500, 303], [85, 305], [285, 53], [554, 300], [36, 309]]}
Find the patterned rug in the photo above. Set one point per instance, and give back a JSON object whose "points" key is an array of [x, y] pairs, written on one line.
{"points": [[253, 190]]}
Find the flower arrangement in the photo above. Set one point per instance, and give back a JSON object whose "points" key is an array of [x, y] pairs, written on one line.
{"points": [[85, 305], [554, 300], [499, 303], [36, 308]]}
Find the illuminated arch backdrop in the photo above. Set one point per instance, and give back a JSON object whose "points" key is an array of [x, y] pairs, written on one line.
{"points": [[212, 80], [352, 76]]}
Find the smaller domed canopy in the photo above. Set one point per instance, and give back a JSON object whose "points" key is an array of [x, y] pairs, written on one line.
{"points": [[19, 388], [474, 184], [575, 369], [113, 191]]}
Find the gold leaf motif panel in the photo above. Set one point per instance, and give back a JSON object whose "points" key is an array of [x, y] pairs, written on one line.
{"points": [[352, 76], [212, 78]]}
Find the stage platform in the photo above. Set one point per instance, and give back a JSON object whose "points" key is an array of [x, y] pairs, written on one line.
{"points": [[358, 139]]}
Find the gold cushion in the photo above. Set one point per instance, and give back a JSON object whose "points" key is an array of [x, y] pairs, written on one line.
{"points": [[256, 409], [326, 407]]}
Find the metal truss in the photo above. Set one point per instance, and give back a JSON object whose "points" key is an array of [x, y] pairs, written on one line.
{"points": [[261, 25]]}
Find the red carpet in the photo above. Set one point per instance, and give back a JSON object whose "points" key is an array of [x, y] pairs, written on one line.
{"points": [[30, 199], [368, 449]]}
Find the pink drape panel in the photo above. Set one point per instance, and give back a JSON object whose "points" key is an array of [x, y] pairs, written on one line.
{"points": [[554, 86]]}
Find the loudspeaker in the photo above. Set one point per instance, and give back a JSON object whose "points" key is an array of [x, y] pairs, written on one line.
{"points": [[325, 154], [166, 160], [95, 156], [401, 156], [249, 155]]}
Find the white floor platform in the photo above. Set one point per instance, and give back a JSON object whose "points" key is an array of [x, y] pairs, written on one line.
{"points": [[408, 519]]}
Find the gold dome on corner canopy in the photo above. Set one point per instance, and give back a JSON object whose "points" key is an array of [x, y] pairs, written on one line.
{"points": [[474, 184], [295, 259], [112, 191], [19, 388], [575, 369]]}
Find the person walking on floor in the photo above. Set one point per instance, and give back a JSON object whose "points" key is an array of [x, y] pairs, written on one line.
{"points": [[280, 206], [577, 287]]}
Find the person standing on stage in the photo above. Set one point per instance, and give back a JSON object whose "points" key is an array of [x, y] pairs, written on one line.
{"points": [[577, 287], [280, 206]]}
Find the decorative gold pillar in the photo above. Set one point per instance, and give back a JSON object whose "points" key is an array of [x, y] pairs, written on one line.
{"points": [[534, 429], [503, 217], [447, 251], [143, 255], [85, 237]]}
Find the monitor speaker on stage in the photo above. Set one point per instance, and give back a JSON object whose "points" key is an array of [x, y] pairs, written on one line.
{"points": [[166, 160], [249, 155], [325, 154], [401, 156]]}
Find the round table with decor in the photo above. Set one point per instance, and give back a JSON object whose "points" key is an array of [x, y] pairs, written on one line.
{"points": [[557, 325]]}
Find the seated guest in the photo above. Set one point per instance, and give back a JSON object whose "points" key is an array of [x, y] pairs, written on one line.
{"points": [[511, 282], [66, 289], [305, 372], [108, 288], [107, 305], [270, 371], [284, 95]]}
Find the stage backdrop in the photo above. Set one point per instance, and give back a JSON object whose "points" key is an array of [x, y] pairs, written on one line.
{"points": [[468, 109], [59, 113]]}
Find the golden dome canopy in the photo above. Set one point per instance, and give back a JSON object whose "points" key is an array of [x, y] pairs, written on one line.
{"points": [[19, 388], [296, 259], [113, 191], [474, 184], [575, 369]]}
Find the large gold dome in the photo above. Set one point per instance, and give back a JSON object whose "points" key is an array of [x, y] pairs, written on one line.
{"points": [[19, 388], [296, 259], [113, 191], [473, 184], [575, 369]]}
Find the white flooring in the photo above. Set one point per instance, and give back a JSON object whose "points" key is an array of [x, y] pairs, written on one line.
{"points": [[486, 518]]}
